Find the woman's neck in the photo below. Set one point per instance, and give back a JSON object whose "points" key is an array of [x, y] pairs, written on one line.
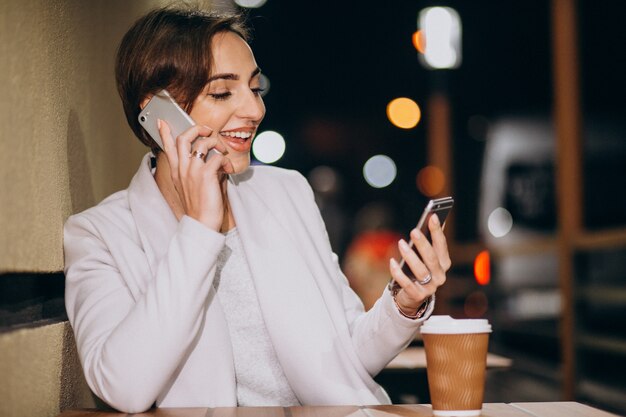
{"points": [[164, 181]]}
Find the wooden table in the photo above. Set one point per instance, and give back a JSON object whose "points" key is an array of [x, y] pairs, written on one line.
{"points": [[550, 409], [415, 358]]}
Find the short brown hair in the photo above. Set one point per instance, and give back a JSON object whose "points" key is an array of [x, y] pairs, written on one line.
{"points": [[168, 48]]}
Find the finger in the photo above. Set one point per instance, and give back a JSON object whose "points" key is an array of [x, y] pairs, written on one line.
{"points": [[191, 134], [416, 293], [217, 162], [205, 144], [413, 261], [405, 283], [429, 257], [184, 142], [168, 142], [219, 145], [197, 157], [227, 165], [440, 243], [169, 147], [203, 149]]}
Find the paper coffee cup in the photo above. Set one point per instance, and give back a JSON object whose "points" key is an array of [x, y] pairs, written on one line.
{"points": [[456, 359]]}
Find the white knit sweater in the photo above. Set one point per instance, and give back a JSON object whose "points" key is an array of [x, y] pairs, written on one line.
{"points": [[260, 378]]}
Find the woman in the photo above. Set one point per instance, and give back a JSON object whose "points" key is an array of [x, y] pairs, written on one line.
{"points": [[212, 283]]}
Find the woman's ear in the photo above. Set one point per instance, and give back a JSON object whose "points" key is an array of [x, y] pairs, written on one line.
{"points": [[145, 101]]}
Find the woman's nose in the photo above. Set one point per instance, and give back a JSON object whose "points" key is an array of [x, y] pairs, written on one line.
{"points": [[253, 107]]}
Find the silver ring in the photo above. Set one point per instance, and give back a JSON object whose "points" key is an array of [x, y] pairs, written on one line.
{"points": [[198, 155], [426, 280]]}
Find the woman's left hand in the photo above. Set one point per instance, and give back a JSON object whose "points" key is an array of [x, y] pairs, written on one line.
{"points": [[434, 262]]}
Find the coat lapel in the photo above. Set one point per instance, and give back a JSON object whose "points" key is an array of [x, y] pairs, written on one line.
{"points": [[155, 220], [156, 225]]}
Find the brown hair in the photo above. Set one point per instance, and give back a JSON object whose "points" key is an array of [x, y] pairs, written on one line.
{"points": [[168, 48]]}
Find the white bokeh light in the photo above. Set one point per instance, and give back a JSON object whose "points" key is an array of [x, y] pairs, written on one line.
{"points": [[264, 83], [379, 171], [250, 4], [268, 147], [441, 27], [500, 222]]}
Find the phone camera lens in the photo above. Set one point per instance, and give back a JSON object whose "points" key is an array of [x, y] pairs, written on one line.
{"points": [[142, 118]]}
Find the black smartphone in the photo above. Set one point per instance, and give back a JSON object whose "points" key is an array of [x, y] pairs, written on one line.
{"points": [[441, 207]]}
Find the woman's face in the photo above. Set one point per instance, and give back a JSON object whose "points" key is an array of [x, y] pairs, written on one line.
{"points": [[231, 102]]}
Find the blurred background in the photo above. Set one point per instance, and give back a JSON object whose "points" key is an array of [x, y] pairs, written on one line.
{"points": [[514, 108]]}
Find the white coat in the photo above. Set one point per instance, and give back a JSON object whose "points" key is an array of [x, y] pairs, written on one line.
{"points": [[149, 328]]}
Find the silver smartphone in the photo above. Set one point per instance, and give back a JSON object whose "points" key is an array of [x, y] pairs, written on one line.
{"points": [[163, 106], [441, 207]]}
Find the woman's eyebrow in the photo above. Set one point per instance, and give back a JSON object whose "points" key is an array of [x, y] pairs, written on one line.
{"points": [[231, 76]]}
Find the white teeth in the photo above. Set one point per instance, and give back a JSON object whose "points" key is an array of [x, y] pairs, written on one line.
{"points": [[240, 135]]}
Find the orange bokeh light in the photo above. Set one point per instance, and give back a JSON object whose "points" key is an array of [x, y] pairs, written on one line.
{"points": [[430, 181], [419, 41], [482, 268], [403, 113]]}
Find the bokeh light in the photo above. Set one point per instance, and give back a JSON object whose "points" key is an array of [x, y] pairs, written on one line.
{"points": [[482, 268], [430, 181], [324, 179], [264, 83], [418, 41], [500, 222], [403, 113], [379, 171], [268, 147], [250, 4], [366, 263], [441, 29], [476, 305]]}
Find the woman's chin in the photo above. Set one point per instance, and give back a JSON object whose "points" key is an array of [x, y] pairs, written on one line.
{"points": [[240, 163]]}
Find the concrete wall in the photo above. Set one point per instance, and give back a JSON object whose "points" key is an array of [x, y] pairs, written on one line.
{"points": [[40, 373], [64, 145]]}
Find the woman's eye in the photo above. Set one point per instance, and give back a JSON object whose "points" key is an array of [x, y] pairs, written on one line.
{"points": [[220, 96], [258, 91]]}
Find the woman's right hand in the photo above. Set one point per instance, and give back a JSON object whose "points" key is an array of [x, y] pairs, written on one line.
{"points": [[197, 182]]}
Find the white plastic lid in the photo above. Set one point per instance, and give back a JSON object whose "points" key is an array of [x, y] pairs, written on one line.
{"points": [[448, 325]]}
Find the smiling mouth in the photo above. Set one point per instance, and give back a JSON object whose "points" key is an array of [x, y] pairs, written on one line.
{"points": [[237, 135], [239, 141]]}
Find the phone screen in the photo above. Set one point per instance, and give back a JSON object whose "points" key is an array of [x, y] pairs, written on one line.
{"points": [[441, 207]]}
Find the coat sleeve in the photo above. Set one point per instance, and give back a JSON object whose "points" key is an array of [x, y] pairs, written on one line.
{"points": [[131, 344], [379, 334]]}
